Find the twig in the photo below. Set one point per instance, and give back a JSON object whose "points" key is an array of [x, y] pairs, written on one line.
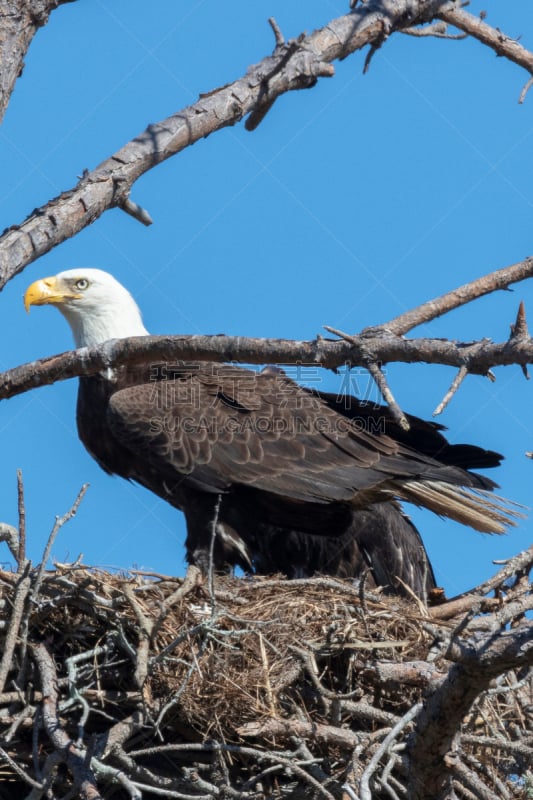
{"points": [[492, 37], [181, 688], [37, 724], [118, 734], [139, 773], [15, 624], [190, 581], [286, 728], [463, 604], [21, 555], [280, 39], [346, 786], [266, 673], [166, 793], [58, 524], [525, 90], [457, 381], [461, 626], [18, 770], [27, 715], [499, 279], [136, 211], [381, 383], [379, 379], [10, 535], [496, 743], [37, 578], [408, 673], [519, 329], [479, 767], [260, 755], [377, 44], [362, 710], [471, 779], [439, 30], [259, 776], [364, 784], [145, 628], [72, 671], [385, 779], [518, 564], [132, 789], [211, 565], [299, 64]]}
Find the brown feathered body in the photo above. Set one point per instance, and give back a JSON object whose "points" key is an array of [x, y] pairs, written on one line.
{"points": [[288, 479]]}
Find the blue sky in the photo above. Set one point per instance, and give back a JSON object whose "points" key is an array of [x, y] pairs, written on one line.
{"points": [[351, 203]]}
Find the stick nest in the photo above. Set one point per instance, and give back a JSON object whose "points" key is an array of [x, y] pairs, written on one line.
{"points": [[123, 686]]}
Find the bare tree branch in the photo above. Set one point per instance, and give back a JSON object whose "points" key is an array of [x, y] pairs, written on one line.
{"points": [[15, 623], [494, 38], [21, 555], [376, 345], [84, 778], [284, 729], [521, 564], [294, 65], [364, 785], [478, 356], [457, 381], [20, 20], [494, 281], [439, 721]]}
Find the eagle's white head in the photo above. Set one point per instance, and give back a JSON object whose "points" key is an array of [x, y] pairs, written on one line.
{"points": [[96, 306]]}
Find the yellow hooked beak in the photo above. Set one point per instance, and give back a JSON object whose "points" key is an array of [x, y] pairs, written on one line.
{"points": [[48, 290]]}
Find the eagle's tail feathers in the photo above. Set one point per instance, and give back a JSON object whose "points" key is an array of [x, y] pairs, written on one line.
{"points": [[481, 510]]}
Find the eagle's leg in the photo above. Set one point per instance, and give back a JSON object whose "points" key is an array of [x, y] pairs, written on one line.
{"points": [[218, 535], [201, 514]]}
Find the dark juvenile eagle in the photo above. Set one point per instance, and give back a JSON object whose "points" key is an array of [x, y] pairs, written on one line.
{"points": [[288, 478]]}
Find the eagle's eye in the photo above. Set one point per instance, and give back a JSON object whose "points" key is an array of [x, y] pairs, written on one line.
{"points": [[82, 284]]}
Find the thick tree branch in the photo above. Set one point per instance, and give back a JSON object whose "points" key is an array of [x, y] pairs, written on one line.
{"points": [[294, 65], [479, 357], [72, 756], [19, 22], [375, 345], [285, 729], [479, 661]]}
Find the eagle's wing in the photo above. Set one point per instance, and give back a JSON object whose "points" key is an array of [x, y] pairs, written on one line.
{"points": [[223, 425], [381, 539], [229, 425], [423, 436]]}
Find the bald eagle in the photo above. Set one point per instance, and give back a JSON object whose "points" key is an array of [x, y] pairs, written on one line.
{"points": [[284, 478]]}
